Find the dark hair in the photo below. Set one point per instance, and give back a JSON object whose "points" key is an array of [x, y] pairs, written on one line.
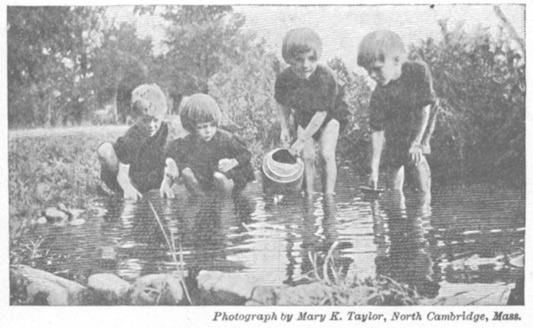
{"points": [[199, 108], [300, 40]]}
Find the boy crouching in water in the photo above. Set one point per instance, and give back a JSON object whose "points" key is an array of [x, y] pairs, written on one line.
{"points": [[134, 163], [208, 160], [403, 110]]}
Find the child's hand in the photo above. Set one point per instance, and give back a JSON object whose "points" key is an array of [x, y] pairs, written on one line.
{"points": [[171, 169], [285, 138], [226, 164], [130, 193], [415, 153], [166, 190], [373, 180], [297, 147]]}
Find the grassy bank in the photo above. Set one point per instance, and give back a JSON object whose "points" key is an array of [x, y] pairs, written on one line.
{"points": [[47, 167]]}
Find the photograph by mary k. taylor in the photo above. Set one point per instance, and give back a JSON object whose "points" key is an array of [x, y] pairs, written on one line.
{"points": [[249, 159]]}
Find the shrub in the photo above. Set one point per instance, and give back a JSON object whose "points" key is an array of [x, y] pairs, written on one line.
{"points": [[480, 79]]}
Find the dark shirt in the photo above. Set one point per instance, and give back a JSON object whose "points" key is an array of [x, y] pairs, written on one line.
{"points": [[308, 96], [144, 154], [203, 157], [392, 107]]}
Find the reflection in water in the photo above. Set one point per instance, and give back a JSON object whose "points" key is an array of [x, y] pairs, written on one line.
{"points": [[319, 242], [132, 232], [199, 225], [472, 232], [402, 247]]}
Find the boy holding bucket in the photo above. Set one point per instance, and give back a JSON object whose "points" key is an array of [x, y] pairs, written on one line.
{"points": [[310, 91]]}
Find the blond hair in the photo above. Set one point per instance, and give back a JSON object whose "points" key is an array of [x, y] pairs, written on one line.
{"points": [[149, 99], [378, 45]]}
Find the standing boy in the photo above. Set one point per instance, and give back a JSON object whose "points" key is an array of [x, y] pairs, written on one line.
{"points": [[311, 92], [134, 164], [400, 109]]}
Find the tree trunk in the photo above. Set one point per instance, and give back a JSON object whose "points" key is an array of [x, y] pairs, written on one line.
{"points": [[507, 25], [115, 102], [48, 118]]}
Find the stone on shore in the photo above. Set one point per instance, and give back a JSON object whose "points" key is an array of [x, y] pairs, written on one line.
{"points": [[43, 288], [311, 294], [263, 296], [158, 289], [56, 216], [219, 288], [110, 287]]}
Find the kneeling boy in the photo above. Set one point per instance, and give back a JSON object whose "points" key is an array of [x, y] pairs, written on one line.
{"points": [[134, 163], [209, 159]]}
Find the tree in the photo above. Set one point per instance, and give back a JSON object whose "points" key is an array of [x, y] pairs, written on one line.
{"points": [[47, 61], [199, 38], [243, 87], [120, 64], [65, 61]]}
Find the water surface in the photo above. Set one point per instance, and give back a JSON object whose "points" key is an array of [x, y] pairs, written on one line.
{"points": [[464, 240]]}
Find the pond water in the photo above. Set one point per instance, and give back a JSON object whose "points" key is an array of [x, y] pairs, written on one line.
{"points": [[464, 239]]}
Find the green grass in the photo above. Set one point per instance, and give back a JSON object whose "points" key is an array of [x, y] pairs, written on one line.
{"points": [[49, 168]]}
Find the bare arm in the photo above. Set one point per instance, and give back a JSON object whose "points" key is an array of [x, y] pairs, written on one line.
{"points": [[171, 174], [312, 127], [285, 117], [432, 121], [420, 122], [123, 179]]}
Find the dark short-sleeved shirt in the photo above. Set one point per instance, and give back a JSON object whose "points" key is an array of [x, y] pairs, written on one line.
{"points": [[392, 107], [306, 97], [203, 157], [144, 154]]}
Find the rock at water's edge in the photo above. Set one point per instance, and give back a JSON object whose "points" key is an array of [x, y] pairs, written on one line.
{"points": [[44, 288], [223, 288], [157, 289], [109, 286]]}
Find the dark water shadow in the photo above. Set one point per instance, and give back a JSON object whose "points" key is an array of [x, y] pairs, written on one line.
{"points": [[401, 236]]}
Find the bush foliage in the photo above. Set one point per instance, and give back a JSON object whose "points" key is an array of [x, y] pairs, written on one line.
{"points": [[480, 79]]}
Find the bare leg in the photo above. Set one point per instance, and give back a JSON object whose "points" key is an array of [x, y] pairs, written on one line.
{"points": [[108, 165], [107, 157], [191, 182], [396, 178], [422, 175], [309, 157], [328, 144], [223, 185]]}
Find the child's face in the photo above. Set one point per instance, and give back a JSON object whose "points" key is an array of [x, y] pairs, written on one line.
{"points": [[206, 131], [385, 71], [304, 64], [152, 123]]}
